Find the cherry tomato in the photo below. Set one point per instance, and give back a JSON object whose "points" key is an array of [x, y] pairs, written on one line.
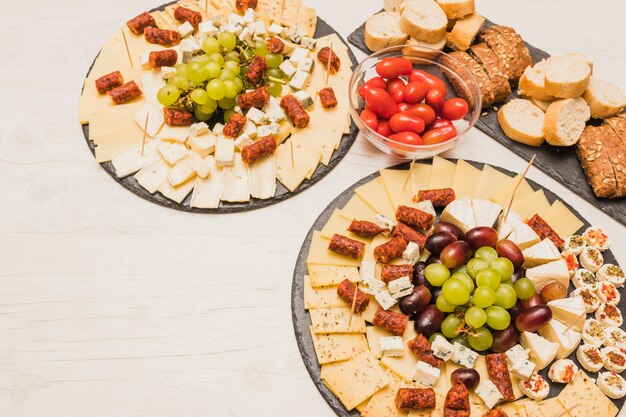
{"points": [[454, 109], [406, 122], [415, 92], [390, 68], [403, 106], [423, 111], [439, 123], [410, 138], [395, 88], [380, 102], [439, 135], [430, 80], [383, 128], [435, 99], [370, 119], [372, 82]]}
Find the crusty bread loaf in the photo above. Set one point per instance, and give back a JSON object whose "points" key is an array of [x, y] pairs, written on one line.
{"points": [[565, 121], [604, 99], [464, 32], [424, 52], [617, 152], [456, 9], [489, 61], [566, 76], [522, 122], [424, 20], [487, 89], [510, 49], [383, 30], [394, 5], [532, 82]]}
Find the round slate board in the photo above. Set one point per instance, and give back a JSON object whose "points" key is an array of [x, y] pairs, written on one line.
{"points": [[282, 193], [300, 316]]}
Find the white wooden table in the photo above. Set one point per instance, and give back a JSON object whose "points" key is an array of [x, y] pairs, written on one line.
{"points": [[113, 306]]}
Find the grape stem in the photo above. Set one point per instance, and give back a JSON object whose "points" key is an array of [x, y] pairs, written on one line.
{"points": [[276, 80], [243, 51]]}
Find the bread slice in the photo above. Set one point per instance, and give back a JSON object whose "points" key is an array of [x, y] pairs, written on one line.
{"points": [[594, 156], [383, 30], [581, 57], [604, 99], [424, 20], [532, 82], [487, 89], [617, 152], [425, 52], [566, 76], [456, 9], [543, 105], [394, 5], [522, 122], [565, 121], [510, 49], [464, 32], [489, 61]]}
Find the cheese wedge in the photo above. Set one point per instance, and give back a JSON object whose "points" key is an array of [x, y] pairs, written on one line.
{"points": [[541, 253], [552, 271], [460, 213], [569, 310], [557, 332], [485, 212], [506, 227], [524, 236], [542, 351]]}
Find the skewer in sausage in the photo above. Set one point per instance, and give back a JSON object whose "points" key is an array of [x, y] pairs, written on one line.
{"points": [[294, 110], [346, 290]]}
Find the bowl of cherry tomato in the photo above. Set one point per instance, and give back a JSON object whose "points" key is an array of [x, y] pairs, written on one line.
{"points": [[402, 101]]}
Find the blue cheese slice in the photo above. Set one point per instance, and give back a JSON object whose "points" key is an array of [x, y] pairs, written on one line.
{"points": [[391, 346], [442, 348], [427, 375], [463, 356], [300, 80], [489, 393]]}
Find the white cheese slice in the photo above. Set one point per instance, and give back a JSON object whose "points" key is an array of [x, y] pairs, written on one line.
{"points": [[460, 213], [174, 133], [542, 351], [207, 192], [523, 236], [541, 253], [172, 152], [263, 177], [544, 274], [236, 182], [155, 118], [202, 145], [152, 176], [199, 165], [131, 160], [485, 212], [506, 227], [224, 151], [569, 311], [181, 172]]}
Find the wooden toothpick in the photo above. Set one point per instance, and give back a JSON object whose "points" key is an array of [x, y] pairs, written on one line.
{"points": [[293, 161], [566, 412], [330, 58], [573, 323], [519, 181], [356, 290], [408, 174], [127, 48], [145, 131]]}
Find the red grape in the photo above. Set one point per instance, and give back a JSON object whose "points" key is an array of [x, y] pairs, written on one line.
{"points": [[504, 340], [450, 228], [456, 254], [468, 377], [534, 318], [428, 321], [415, 302], [508, 249], [438, 241], [481, 236]]}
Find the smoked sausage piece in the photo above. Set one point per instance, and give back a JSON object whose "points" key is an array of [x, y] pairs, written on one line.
{"points": [[415, 399], [235, 125], [108, 82], [166, 58], [125, 92], [256, 70], [409, 234], [243, 5], [391, 272], [346, 291], [390, 250], [440, 197], [364, 228], [162, 36], [544, 230], [174, 117], [327, 97], [414, 217], [422, 349], [138, 23], [255, 98], [183, 14], [394, 323], [496, 412], [275, 45], [326, 54], [457, 398], [346, 246], [262, 147], [499, 374], [294, 110]]}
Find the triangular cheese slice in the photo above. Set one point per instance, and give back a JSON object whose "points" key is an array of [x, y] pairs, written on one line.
{"points": [[567, 339], [523, 236], [542, 351], [569, 310], [460, 214], [544, 274], [485, 212], [541, 253]]}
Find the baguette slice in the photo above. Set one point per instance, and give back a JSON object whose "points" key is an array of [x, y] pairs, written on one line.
{"points": [[464, 32], [543, 105], [489, 61], [394, 5], [565, 121], [581, 57], [532, 82], [604, 99], [424, 20], [487, 89], [456, 9], [383, 30], [425, 52], [566, 76], [522, 122]]}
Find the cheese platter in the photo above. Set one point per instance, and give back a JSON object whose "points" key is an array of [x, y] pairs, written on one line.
{"points": [[392, 309], [219, 106]]}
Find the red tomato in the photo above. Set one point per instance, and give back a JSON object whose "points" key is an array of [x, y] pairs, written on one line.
{"points": [[435, 99], [406, 122], [370, 119], [403, 106], [439, 135], [372, 82], [395, 88], [380, 102], [439, 123], [415, 92], [430, 80], [454, 109], [410, 138], [421, 110], [390, 68], [383, 128]]}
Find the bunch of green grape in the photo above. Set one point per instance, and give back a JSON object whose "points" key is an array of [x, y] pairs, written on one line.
{"points": [[213, 79], [477, 296]]}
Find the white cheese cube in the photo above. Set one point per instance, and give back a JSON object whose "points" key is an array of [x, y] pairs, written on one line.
{"points": [[237, 110], [258, 28], [385, 299], [300, 80], [257, 116], [181, 172], [242, 141], [249, 129], [367, 271], [218, 129], [167, 72], [308, 43], [189, 45], [523, 370], [299, 54], [374, 286], [516, 355], [274, 112], [224, 151], [185, 29], [399, 294], [200, 165], [306, 64], [198, 129], [207, 28], [399, 284], [442, 348], [391, 346], [463, 356], [295, 34], [271, 129], [412, 253], [246, 34], [248, 16], [276, 29], [288, 68], [172, 152], [234, 18], [234, 28], [489, 393], [306, 101], [384, 222], [202, 145], [426, 374]]}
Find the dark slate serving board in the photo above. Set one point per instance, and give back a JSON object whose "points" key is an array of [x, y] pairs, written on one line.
{"points": [[282, 193], [300, 316], [559, 163]]}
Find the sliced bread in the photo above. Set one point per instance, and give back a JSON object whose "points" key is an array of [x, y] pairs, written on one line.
{"points": [[532, 82], [460, 85], [394, 5], [604, 99], [543, 105], [424, 20], [565, 121], [489, 61], [464, 32], [522, 122], [456, 9], [383, 30], [425, 52], [581, 57], [566, 76], [510, 49]]}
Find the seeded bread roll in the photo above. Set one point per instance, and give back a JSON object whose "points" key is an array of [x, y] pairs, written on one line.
{"points": [[604, 99], [487, 58], [456, 9], [566, 76], [510, 49], [424, 20], [425, 52], [522, 122], [565, 121], [617, 152], [487, 89], [464, 32], [383, 30], [532, 82]]}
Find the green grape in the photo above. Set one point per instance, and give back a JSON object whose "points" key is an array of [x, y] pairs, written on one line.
{"points": [[462, 340], [487, 253], [476, 265], [484, 297], [275, 89], [226, 103], [181, 69], [443, 305], [203, 59], [209, 107], [432, 336], [450, 326], [232, 66], [244, 70], [216, 89], [168, 95], [504, 267], [199, 96], [505, 296], [489, 277], [239, 84], [462, 268], [273, 60], [228, 114], [217, 58], [508, 282], [463, 276], [481, 339], [227, 40], [213, 70], [475, 316], [203, 117], [227, 74], [436, 274], [455, 291], [231, 89], [232, 56], [180, 82], [196, 73], [276, 73], [498, 318], [210, 45], [260, 48], [524, 288]]}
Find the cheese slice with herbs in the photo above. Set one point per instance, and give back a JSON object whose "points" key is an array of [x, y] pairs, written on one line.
{"points": [[383, 402], [374, 333], [591, 401], [335, 320], [322, 297], [324, 275], [337, 347]]}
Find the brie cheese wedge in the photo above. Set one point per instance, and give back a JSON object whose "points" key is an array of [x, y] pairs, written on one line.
{"points": [[524, 236], [544, 274], [569, 310], [557, 332], [459, 213], [541, 253], [542, 351], [485, 212]]}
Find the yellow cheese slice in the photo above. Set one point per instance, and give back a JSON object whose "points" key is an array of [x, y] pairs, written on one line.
{"points": [[552, 407], [328, 368], [528, 408], [420, 176], [305, 157], [442, 174], [478, 410], [398, 185], [591, 401], [535, 203], [325, 275], [290, 12], [320, 254], [373, 334], [383, 402], [322, 297], [131, 160], [336, 320], [562, 220], [307, 21], [510, 409], [373, 193], [356, 208], [273, 9], [466, 178], [339, 224], [503, 195], [337, 347], [490, 179]]}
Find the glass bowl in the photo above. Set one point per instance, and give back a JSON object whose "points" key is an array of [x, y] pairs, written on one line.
{"points": [[425, 59]]}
